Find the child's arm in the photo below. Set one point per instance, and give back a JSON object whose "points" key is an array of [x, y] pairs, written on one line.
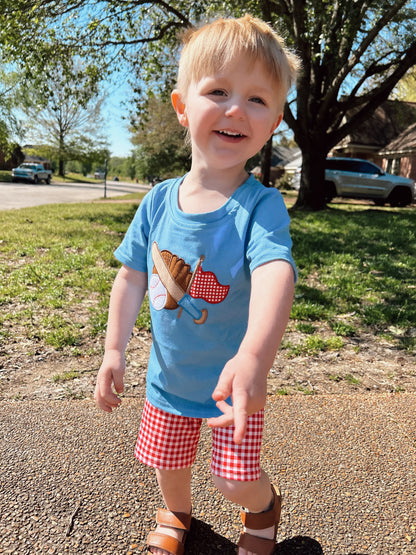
{"points": [[244, 377], [126, 298]]}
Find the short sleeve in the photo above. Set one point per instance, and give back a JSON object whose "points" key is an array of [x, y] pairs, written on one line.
{"points": [[133, 249], [269, 237]]}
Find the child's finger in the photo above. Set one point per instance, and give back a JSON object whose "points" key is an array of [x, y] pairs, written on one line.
{"points": [[106, 406], [223, 388], [240, 417], [118, 382], [105, 398], [226, 419]]}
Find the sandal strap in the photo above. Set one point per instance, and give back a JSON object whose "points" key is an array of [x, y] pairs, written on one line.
{"points": [[165, 542], [181, 521], [254, 544], [259, 521]]}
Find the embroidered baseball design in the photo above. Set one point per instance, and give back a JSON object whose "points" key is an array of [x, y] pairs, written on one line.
{"points": [[173, 285], [157, 292]]}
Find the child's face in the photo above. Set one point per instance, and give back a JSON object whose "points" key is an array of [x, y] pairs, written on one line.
{"points": [[231, 114]]}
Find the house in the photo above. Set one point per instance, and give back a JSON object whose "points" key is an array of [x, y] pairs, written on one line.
{"points": [[32, 158], [284, 159], [400, 154], [387, 138], [283, 155]]}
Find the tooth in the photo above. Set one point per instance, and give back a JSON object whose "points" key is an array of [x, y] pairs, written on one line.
{"points": [[231, 133]]}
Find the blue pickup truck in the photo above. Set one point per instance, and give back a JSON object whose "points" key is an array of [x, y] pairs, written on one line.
{"points": [[31, 172]]}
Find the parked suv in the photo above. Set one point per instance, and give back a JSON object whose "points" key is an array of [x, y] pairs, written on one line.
{"points": [[356, 178]]}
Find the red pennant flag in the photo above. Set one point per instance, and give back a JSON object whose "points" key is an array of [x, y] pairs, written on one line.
{"points": [[206, 286]]}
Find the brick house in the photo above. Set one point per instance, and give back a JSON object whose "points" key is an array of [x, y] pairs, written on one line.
{"points": [[387, 138], [399, 156], [32, 158]]}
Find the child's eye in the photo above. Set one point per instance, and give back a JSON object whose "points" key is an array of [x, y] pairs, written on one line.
{"points": [[218, 92], [257, 100]]}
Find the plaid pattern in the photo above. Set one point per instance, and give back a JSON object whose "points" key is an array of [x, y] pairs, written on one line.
{"points": [[206, 286], [238, 462], [169, 442]]}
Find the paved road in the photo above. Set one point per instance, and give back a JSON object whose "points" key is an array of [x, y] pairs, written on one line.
{"points": [[21, 195]]}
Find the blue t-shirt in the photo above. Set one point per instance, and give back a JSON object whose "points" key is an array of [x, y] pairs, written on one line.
{"points": [[199, 268]]}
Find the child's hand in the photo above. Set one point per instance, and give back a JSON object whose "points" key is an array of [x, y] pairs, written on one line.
{"points": [[111, 373], [245, 380]]}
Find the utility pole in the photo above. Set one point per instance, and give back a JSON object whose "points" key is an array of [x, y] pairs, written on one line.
{"points": [[105, 179]]}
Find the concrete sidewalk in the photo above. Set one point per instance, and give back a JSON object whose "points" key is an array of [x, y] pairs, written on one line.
{"points": [[345, 464]]}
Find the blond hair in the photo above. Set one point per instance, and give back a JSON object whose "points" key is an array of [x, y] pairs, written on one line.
{"points": [[212, 47]]}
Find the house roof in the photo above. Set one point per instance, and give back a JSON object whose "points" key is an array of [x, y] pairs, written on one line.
{"points": [[405, 142], [282, 155], [387, 123], [34, 158]]}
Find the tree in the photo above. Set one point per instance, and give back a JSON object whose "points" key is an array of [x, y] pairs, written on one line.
{"points": [[90, 151], [353, 52], [161, 147], [68, 123], [406, 87], [10, 126]]}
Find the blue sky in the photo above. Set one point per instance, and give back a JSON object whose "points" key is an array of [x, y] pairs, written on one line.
{"points": [[116, 128], [118, 135]]}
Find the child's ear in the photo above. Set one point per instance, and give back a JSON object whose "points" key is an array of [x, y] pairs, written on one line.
{"points": [[276, 124], [179, 107]]}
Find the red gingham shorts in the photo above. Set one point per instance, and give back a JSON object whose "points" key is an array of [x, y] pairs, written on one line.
{"points": [[169, 442]]}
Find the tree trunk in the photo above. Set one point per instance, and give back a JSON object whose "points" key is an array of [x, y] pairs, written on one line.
{"points": [[266, 160], [61, 171], [61, 163], [312, 185]]}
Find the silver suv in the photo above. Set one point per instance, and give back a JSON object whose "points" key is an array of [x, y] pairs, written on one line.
{"points": [[357, 178]]}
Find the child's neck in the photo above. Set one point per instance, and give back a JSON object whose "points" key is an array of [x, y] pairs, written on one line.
{"points": [[206, 191]]}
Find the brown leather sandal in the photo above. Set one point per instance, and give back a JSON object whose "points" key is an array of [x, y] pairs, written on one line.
{"points": [[259, 521], [180, 521]]}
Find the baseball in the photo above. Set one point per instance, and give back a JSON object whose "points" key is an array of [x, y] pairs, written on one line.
{"points": [[157, 292]]}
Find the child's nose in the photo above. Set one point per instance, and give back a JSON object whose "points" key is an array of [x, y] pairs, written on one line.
{"points": [[235, 109]]}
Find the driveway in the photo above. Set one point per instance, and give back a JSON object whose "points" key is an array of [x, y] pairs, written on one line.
{"points": [[22, 195]]}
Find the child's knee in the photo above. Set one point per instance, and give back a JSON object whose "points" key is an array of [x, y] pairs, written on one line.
{"points": [[224, 485], [233, 490], [255, 495]]}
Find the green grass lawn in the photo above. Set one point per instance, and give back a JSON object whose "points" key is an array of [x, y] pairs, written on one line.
{"points": [[75, 178], [357, 272], [5, 176]]}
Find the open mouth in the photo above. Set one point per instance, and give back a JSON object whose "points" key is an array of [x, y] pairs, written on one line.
{"points": [[231, 134]]}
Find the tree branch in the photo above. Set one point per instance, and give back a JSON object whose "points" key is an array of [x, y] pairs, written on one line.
{"points": [[367, 40], [373, 99]]}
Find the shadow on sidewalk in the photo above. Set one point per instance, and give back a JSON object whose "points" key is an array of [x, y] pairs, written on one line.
{"points": [[202, 540], [299, 545]]}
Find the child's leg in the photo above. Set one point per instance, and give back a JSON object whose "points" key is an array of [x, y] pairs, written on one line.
{"points": [[237, 474], [175, 486], [255, 496], [168, 443]]}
